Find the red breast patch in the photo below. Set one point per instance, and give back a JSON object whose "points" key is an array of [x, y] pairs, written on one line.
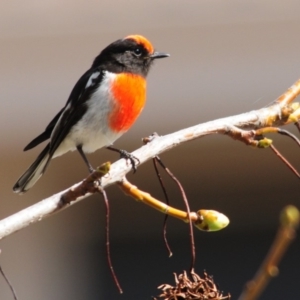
{"points": [[129, 93]]}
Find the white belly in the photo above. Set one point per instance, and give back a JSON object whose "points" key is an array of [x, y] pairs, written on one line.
{"points": [[92, 131]]}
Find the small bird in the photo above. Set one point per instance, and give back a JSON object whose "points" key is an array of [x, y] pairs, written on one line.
{"points": [[104, 103]]}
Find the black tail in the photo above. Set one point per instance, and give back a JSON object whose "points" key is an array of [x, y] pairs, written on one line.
{"points": [[34, 172]]}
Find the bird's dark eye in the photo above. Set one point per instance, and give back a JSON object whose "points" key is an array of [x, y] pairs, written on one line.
{"points": [[137, 51]]}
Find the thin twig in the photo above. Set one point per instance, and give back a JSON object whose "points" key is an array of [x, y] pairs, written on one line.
{"points": [[289, 221], [255, 138], [285, 160], [205, 220], [8, 283], [289, 134], [108, 243], [268, 116], [192, 241], [297, 124], [168, 202]]}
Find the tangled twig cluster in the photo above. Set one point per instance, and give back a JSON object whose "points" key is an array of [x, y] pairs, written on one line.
{"points": [[192, 288]]}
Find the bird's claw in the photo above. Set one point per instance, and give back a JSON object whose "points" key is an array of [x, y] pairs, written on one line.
{"points": [[133, 159]]}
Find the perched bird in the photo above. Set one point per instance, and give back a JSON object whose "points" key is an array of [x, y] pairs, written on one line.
{"points": [[104, 103]]}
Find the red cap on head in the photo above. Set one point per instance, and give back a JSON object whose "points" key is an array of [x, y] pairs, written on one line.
{"points": [[142, 41]]}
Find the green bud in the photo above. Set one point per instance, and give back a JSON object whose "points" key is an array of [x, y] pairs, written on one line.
{"points": [[211, 220]]}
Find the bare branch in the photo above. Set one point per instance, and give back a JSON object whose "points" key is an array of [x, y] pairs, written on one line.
{"points": [[289, 221], [282, 112]]}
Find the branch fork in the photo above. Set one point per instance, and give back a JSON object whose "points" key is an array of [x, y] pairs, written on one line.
{"points": [[282, 112]]}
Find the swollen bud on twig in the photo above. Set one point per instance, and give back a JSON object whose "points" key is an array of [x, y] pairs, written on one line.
{"points": [[290, 216], [295, 115], [211, 220], [264, 143]]}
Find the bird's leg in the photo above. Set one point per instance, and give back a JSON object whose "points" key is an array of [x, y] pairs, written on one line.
{"points": [[124, 154], [91, 169]]}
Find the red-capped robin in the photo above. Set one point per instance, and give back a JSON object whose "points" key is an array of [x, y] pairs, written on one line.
{"points": [[104, 103]]}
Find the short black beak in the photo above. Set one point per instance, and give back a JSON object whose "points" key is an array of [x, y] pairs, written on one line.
{"points": [[156, 54]]}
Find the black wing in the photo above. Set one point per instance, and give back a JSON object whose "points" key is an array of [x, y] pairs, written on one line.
{"points": [[46, 134], [71, 113], [76, 106]]}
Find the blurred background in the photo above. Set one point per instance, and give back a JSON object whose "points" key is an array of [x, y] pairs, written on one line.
{"points": [[227, 57]]}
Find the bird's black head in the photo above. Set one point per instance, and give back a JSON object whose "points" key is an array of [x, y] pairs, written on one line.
{"points": [[133, 54]]}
